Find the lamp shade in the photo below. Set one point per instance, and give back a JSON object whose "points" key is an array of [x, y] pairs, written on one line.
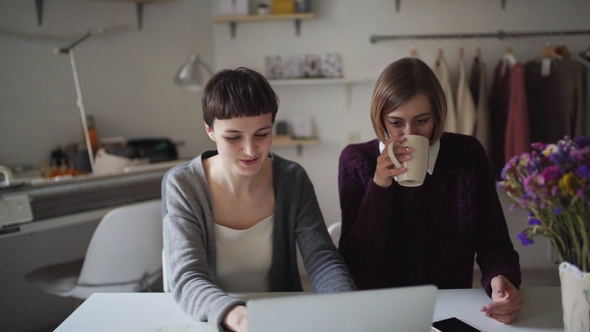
{"points": [[189, 76]]}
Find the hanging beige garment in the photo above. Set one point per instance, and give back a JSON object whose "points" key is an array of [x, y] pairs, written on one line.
{"points": [[482, 125], [441, 69], [466, 114]]}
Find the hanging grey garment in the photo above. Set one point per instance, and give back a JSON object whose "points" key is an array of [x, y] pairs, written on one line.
{"points": [[584, 59], [556, 102]]}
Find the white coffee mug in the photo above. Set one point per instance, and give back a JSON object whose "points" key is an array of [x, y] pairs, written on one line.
{"points": [[417, 166]]}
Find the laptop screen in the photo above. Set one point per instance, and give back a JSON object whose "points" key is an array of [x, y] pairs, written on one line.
{"points": [[406, 309]]}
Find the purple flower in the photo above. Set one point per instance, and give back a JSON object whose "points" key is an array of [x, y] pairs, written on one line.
{"points": [[534, 221], [558, 157], [583, 171], [538, 146], [524, 239], [581, 142], [557, 210], [551, 173]]}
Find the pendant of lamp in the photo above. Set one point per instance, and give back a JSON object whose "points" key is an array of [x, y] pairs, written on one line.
{"points": [[190, 75]]}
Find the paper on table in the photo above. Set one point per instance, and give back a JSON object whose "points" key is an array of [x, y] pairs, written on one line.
{"points": [[197, 327]]}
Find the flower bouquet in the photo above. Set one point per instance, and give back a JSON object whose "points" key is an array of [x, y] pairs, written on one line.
{"points": [[552, 182]]}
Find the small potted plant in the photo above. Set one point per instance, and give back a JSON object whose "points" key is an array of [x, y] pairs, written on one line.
{"points": [[263, 9]]}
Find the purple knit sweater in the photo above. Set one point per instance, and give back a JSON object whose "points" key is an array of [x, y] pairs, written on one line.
{"points": [[400, 236]]}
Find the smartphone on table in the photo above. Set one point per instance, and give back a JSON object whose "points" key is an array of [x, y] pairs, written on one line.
{"points": [[453, 324]]}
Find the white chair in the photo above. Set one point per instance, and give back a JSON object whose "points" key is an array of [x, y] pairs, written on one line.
{"points": [[124, 255], [166, 288], [335, 230]]}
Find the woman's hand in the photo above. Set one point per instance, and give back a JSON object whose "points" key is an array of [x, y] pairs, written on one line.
{"points": [[507, 301], [386, 170], [236, 319]]}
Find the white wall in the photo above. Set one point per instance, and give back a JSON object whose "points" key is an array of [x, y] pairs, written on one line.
{"points": [[126, 77]]}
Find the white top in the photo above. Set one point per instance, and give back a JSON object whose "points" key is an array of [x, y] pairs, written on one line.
{"points": [[244, 257]]}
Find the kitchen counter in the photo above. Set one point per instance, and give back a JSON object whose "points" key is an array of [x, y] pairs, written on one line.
{"points": [[39, 199]]}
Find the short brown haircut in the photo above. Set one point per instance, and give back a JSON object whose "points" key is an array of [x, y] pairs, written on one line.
{"points": [[400, 82], [240, 92]]}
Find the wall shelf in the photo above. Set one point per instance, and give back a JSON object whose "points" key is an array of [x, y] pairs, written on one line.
{"points": [[346, 81], [138, 7], [234, 19], [286, 140], [310, 81]]}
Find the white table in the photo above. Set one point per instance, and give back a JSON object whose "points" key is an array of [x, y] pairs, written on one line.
{"points": [[133, 312]]}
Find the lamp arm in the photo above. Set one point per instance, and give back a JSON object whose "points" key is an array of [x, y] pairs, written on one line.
{"points": [[81, 107], [67, 49]]}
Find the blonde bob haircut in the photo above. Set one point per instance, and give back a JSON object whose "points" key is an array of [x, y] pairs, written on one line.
{"points": [[397, 84]]}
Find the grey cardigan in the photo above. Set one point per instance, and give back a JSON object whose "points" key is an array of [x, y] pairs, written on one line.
{"points": [[189, 239]]}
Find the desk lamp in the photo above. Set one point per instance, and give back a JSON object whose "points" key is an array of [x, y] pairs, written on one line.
{"points": [[70, 51], [189, 76]]}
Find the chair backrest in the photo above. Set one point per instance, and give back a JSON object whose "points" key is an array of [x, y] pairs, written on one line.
{"points": [[126, 246], [335, 230], [166, 288]]}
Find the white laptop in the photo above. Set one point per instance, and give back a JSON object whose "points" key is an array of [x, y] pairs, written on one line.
{"points": [[407, 309]]}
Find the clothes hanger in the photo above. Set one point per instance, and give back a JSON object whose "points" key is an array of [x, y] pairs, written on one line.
{"points": [[478, 55], [548, 52], [509, 56], [562, 50], [440, 56], [413, 51]]}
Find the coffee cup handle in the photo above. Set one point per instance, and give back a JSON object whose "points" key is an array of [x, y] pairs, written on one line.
{"points": [[392, 155]]}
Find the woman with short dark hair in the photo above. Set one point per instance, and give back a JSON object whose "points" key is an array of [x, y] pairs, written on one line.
{"points": [[233, 217]]}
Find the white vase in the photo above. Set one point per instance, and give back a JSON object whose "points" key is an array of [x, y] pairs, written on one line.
{"points": [[575, 298]]}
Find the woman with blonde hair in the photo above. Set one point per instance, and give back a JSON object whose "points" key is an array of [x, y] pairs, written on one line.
{"points": [[400, 236]]}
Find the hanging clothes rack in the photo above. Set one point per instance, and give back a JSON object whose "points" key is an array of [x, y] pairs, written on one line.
{"points": [[500, 34]]}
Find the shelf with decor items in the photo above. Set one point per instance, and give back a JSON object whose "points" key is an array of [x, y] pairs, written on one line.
{"points": [[234, 19]]}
